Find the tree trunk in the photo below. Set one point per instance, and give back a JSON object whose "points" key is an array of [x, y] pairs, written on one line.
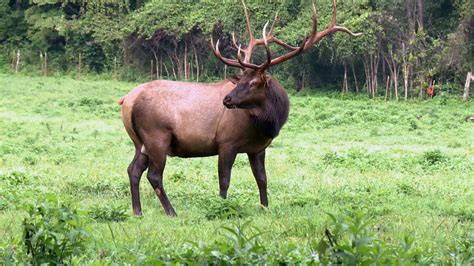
{"points": [[467, 86], [375, 72], [45, 64], [166, 70], [178, 64], [186, 61], [42, 62], [392, 65], [410, 9], [395, 79], [14, 59], [371, 77], [172, 66], [196, 63], [405, 70], [344, 84], [17, 64], [355, 77], [421, 88], [151, 69], [386, 88], [420, 14], [367, 76], [161, 66], [405, 80], [79, 65], [115, 68], [412, 92], [155, 55]]}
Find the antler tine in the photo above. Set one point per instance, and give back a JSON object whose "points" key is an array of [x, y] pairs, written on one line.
{"points": [[234, 43], [267, 48], [226, 61], [247, 20], [243, 63], [275, 20], [233, 40], [348, 31]]}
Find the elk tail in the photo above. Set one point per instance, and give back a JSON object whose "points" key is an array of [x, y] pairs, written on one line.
{"points": [[120, 101]]}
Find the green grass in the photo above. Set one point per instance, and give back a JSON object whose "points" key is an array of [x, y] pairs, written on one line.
{"points": [[410, 181]]}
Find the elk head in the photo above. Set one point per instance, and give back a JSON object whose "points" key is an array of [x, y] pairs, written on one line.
{"points": [[253, 80], [250, 90]]}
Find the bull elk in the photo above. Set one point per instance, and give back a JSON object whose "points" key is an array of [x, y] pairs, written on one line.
{"points": [[242, 114]]}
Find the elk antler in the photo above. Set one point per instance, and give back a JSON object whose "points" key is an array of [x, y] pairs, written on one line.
{"points": [[227, 61], [268, 38]]}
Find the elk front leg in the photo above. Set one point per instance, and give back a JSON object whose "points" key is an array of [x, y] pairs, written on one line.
{"points": [[226, 160], [257, 163], [135, 171]]}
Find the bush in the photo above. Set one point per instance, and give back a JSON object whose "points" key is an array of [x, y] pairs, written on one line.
{"points": [[52, 232], [434, 157], [352, 240], [225, 209], [108, 213]]}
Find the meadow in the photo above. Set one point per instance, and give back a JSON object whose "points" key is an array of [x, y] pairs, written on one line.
{"points": [[351, 180]]}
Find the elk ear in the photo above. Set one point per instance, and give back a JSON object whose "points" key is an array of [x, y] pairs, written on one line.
{"points": [[234, 79]]}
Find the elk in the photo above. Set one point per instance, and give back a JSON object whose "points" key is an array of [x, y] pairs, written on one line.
{"points": [[242, 114]]}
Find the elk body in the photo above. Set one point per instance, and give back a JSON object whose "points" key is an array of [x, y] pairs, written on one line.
{"points": [[239, 115]]}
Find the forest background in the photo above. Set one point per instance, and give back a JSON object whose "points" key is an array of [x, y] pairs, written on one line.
{"points": [[405, 44]]}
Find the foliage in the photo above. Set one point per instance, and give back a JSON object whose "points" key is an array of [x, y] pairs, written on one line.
{"points": [[225, 209], [123, 38], [108, 213], [52, 232]]}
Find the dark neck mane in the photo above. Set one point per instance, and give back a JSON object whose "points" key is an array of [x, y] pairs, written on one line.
{"points": [[274, 111]]}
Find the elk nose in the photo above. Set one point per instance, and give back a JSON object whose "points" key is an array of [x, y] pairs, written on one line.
{"points": [[227, 100]]}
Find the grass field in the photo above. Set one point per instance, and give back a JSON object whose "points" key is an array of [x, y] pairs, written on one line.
{"points": [[351, 180]]}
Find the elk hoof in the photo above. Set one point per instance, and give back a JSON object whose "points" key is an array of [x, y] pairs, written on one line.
{"points": [[171, 214]]}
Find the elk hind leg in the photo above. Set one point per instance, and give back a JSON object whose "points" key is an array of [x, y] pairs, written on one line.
{"points": [[158, 149], [135, 170]]}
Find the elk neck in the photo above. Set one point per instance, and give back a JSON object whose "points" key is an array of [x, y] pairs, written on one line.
{"points": [[271, 115]]}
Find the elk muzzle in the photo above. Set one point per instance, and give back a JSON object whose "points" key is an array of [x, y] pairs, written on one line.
{"points": [[228, 102]]}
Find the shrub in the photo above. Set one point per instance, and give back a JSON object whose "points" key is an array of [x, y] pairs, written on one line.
{"points": [[434, 157], [108, 213], [225, 209], [351, 240], [52, 232], [90, 102]]}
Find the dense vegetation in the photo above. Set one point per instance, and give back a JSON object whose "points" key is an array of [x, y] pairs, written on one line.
{"points": [[413, 42], [351, 180]]}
